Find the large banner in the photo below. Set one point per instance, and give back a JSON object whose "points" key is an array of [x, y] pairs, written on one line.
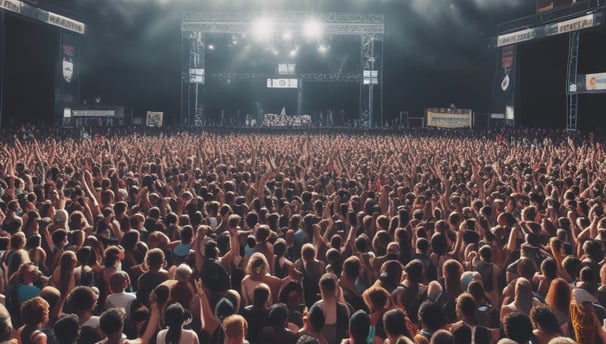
{"points": [[32, 12], [505, 83], [590, 83], [449, 118], [582, 22], [154, 119], [195, 63], [67, 76]]}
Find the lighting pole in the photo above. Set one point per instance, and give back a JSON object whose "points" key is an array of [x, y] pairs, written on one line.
{"points": [[371, 59]]}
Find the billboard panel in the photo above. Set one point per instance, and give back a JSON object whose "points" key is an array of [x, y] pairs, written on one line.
{"points": [[448, 118]]}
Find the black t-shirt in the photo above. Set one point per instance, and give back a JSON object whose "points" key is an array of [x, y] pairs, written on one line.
{"points": [[215, 277], [257, 319], [148, 281]]}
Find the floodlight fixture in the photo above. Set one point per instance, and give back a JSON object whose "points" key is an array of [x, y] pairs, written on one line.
{"points": [[263, 29], [312, 29]]}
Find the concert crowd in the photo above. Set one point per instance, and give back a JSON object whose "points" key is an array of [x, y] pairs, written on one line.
{"points": [[326, 237]]}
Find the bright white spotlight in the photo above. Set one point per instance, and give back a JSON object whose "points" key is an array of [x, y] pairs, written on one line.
{"points": [[294, 52], [323, 49], [263, 29], [211, 47], [312, 29], [287, 35]]}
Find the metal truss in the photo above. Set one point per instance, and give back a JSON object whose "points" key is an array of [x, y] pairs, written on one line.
{"points": [[572, 96], [333, 77], [550, 16], [334, 23], [195, 26]]}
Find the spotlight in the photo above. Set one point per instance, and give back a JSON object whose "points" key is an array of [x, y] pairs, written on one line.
{"points": [[211, 47], [263, 29], [312, 29], [323, 49], [294, 52]]}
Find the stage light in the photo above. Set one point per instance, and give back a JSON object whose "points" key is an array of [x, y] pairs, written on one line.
{"points": [[263, 29], [211, 47], [312, 29]]}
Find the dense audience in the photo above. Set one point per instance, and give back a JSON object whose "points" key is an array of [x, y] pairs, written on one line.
{"points": [[302, 237]]}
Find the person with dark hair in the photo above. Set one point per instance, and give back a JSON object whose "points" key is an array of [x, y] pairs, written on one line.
{"points": [[82, 301], [335, 312], [119, 298], [468, 327], [488, 315], [545, 324], [291, 294], [257, 314], [66, 329], [311, 268], [112, 260], [63, 277], [155, 274], [517, 326], [452, 271], [34, 313], [542, 280], [443, 337], [489, 272], [278, 332], [396, 325], [111, 324], [349, 282], [174, 318], [313, 322], [306, 339], [559, 297], [37, 254], [6, 327], [84, 273], [359, 328], [281, 263], [431, 318]]}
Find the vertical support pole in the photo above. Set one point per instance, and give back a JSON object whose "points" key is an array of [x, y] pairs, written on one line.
{"points": [[2, 62], [571, 86]]}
